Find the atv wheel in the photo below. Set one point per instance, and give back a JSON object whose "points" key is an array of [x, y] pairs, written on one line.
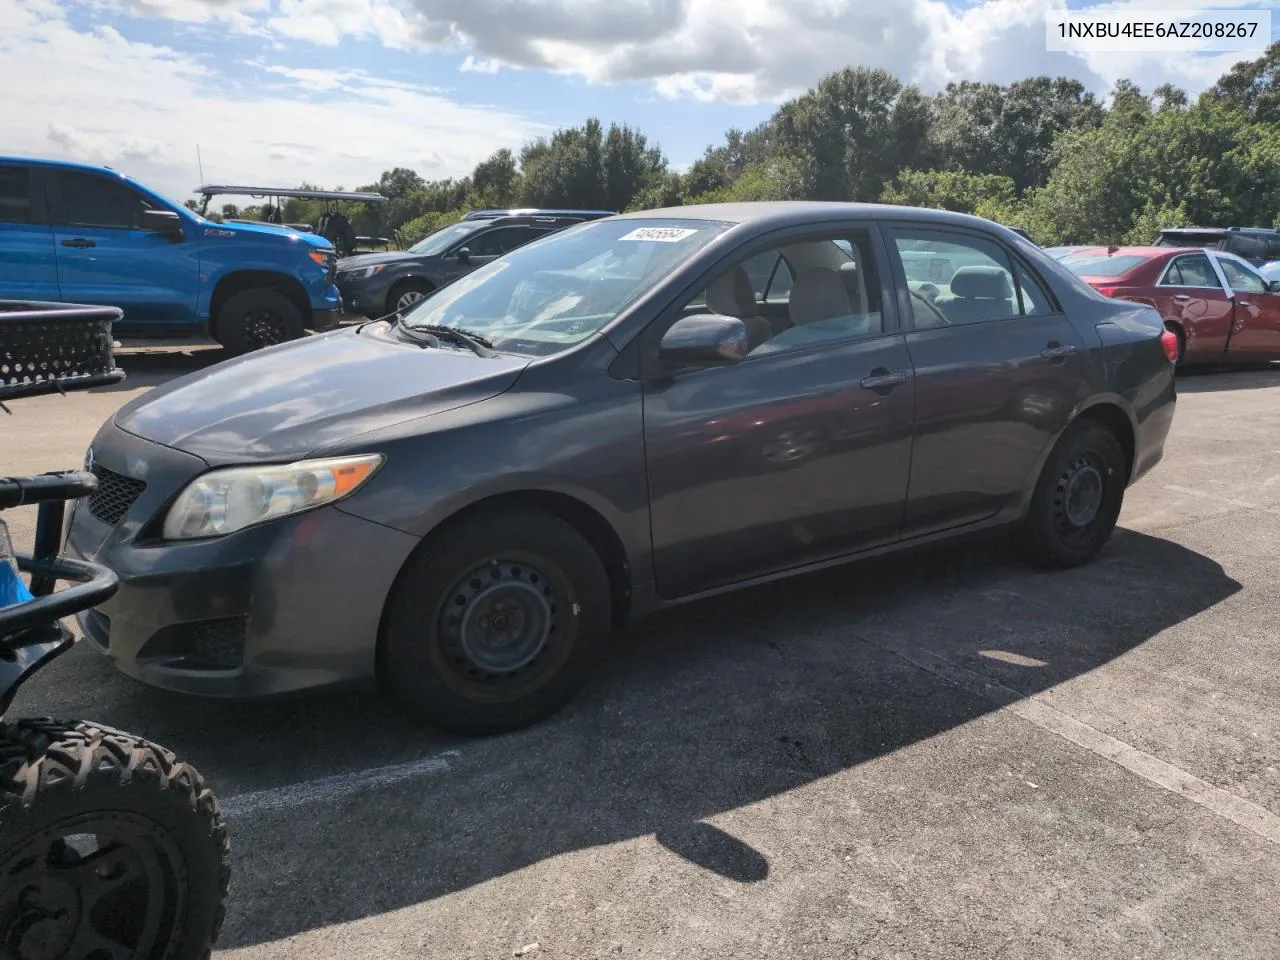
{"points": [[110, 847]]}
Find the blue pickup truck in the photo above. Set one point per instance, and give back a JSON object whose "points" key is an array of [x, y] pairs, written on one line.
{"points": [[83, 234]]}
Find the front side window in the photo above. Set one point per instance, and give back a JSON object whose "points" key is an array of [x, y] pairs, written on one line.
{"points": [[544, 297], [800, 293], [1194, 271], [90, 200], [494, 243], [15, 195], [957, 278], [1240, 278]]}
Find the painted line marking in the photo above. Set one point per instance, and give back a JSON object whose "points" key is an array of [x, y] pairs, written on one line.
{"points": [[1254, 818], [337, 787]]}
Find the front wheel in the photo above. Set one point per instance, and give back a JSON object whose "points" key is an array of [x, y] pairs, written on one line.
{"points": [[110, 847], [1078, 497], [253, 319], [497, 622], [406, 294]]}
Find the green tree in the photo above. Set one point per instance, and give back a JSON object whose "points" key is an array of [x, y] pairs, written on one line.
{"points": [[496, 180], [949, 190], [1253, 87]]}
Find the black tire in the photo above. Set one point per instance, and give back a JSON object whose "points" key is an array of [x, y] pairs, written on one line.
{"points": [[104, 836], [405, 289], [253, 319], [444, 661], [1078, 497]]}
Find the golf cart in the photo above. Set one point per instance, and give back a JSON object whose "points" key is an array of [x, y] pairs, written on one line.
{"points": [[332, 224]]}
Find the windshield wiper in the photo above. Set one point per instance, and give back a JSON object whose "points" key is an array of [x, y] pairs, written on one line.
{"points": [[472, 341]]}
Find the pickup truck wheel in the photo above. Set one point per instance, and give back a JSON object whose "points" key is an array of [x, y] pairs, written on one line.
{"points": [[253, 319], [406, 293], [497, 623]]}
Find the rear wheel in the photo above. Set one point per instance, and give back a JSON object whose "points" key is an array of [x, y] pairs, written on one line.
{"points": [[110, 847], [1078, 497], [405, 294], [497, 623], [253, 319]]}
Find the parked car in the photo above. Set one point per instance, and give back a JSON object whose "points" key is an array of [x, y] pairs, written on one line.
{"points": [[1255, 244], [537, 212], [1221, 309], [79, 234], [376, 284], [465, 500]]}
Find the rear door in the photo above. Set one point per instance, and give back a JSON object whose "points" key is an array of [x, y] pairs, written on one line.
{"points": [[1191, 296], [28, 264], [998, 370], [106, 257], [1256, 330]]}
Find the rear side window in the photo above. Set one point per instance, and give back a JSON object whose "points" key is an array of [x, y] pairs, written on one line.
{"points": [[90, 200], [15, 195], [1273, 249], [1191, 272], [1246, 247], [957, 278]]}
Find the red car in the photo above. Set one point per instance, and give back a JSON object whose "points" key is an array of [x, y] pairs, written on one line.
{"points": [[1219, 306]]}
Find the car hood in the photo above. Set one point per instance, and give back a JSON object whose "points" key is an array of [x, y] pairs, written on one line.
{"points": [[287, 401], [274, 230], [373, 259]]}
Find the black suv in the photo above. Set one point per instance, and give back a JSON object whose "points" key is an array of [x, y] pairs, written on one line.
{"points": [[376, 284], [1258, 245]]}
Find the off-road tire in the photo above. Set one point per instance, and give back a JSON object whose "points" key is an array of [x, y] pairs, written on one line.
{"points": [[403, 287], [54, 772], [424, 666], [1044, 541], [253, 319]]}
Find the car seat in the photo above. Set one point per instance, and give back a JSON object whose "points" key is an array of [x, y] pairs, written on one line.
{"points": [[732, 295], [978, 293]]}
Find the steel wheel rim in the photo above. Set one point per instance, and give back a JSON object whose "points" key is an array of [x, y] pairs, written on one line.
{"points": [[499, 661], [93, 888], [408, 299], [1080, 497]]}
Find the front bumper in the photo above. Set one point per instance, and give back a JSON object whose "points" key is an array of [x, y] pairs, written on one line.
{"points": [[287, 605], [367, 297], [326, 319]]}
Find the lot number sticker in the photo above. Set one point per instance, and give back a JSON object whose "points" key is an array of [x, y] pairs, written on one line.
{"points": [[659, 234]]}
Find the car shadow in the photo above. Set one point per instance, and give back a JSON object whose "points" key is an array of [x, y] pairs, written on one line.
{"points": [[1216, 379], [704, 709], [147, 366]]}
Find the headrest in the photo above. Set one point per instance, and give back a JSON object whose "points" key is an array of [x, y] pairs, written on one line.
{"points": [[818, 294], [982, 283], [731, 294]]}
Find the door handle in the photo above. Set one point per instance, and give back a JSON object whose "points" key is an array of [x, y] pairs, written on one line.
{"points": [[79, 243], [1243, 303], [880, 377], [1055, 351], [1182, 296]]}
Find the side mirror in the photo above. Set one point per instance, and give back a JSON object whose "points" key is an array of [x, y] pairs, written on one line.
{"points": [[464, 255], [705, 340], [1273, 286], [164, 222]]}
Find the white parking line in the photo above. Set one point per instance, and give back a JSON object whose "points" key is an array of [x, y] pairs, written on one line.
{"points": [[1161, 773], [328, 789]]}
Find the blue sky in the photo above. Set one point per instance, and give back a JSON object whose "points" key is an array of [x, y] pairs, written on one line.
{"points": [[335, 91]]}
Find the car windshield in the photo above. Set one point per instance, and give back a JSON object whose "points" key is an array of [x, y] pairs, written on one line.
{"points": [[442, 240], [1093, 265], [550, 294]]}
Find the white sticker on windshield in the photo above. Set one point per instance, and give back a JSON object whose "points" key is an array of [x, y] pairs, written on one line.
{"points": [[659, 234]]}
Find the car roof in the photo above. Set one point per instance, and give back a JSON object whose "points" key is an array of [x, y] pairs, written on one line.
{"points": [[1220, 231], [783, 213], [73, 164]]}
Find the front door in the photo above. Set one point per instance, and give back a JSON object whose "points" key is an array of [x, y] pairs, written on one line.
{"points": [[997, 368], [1256, 331], [106, 257], [28, 264], [801, 451], [1190, 295]]}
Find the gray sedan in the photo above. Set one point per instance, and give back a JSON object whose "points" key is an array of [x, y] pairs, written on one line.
{"points": [[467, 501]]}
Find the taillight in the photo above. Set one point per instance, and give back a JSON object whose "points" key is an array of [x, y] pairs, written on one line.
{"points": [[1169, 340], [1107, 291]]}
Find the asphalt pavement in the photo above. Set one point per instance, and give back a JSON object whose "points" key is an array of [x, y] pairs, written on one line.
{"points": [[941, 755]]}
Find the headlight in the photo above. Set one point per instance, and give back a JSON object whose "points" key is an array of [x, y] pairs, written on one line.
{"points": [[363, 273], [223, 501]]}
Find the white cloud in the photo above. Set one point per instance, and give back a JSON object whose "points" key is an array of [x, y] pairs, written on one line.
{"points": [[95, 96]]}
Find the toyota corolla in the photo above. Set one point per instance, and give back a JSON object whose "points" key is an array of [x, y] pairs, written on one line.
{"points": [[465, 501]]}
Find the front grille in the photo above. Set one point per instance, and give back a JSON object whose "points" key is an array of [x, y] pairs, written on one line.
{"points": [[219, 643], [114, 496]]}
